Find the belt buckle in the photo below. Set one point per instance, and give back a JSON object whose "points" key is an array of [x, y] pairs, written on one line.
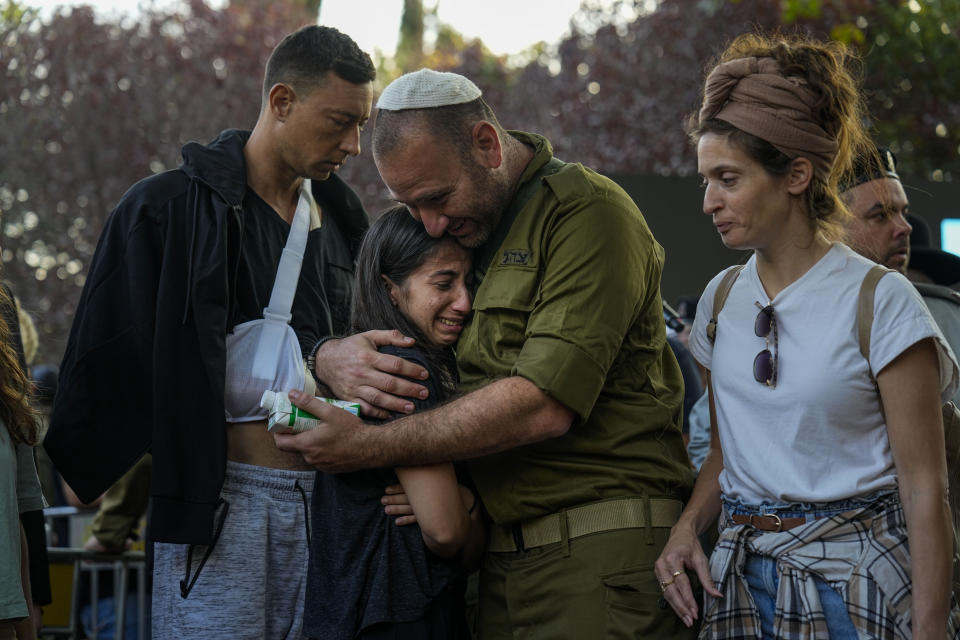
{"points": [[517, 531], [776, 519]]}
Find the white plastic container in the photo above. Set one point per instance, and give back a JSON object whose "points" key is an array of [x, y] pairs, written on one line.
{"points": [[283, 414]]}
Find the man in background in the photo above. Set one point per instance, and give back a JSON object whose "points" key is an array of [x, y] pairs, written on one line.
{"points": [[882, 230]]}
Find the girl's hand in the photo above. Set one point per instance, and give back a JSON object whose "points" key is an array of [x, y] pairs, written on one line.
{"points": [[397, 504]]}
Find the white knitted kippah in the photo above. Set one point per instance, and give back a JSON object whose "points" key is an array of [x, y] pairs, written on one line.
{"points": [[427, 88]]}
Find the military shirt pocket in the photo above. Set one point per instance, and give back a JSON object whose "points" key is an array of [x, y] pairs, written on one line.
{"points": [[509, 288], [501, 311]]}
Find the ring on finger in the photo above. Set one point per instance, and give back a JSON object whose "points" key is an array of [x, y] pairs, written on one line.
{"points": [[673, 577]]}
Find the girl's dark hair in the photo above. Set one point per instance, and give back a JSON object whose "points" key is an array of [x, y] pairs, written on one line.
{"points": [[395, 246], [15, 409], [831, 70]]}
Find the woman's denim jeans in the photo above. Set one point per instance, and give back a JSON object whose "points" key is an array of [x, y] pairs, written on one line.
{"points": [[761, 575], [760, 571]]}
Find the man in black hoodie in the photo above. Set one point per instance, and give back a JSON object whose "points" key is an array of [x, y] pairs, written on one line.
{"points": [[187, 256]]}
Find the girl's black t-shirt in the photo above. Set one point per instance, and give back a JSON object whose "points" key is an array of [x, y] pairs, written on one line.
{"points": [[364, 569]]}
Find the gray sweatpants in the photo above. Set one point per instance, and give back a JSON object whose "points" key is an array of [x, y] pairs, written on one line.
{"points": [[252, 585]]}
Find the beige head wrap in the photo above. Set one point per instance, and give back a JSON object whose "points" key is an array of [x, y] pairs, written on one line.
{"points": [[753, 95]]}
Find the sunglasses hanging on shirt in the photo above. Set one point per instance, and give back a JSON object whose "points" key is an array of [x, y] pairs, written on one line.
{"points": [[765, 364]]}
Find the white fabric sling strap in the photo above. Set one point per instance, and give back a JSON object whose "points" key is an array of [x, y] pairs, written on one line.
{"points": [[265, 353], [277, 314]]}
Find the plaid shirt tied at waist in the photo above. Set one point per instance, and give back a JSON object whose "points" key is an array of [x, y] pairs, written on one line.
{"points": [[861, 553]]}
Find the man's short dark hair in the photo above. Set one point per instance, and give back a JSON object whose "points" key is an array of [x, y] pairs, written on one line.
{"points": [[452, 123], [304, 57]]}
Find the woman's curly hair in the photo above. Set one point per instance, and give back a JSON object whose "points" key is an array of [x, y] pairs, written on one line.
{"points": [[15, 408]]}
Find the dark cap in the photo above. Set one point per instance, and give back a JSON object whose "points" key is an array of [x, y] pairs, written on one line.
{"points": [[940, 266], [45, 383], [687, 307], [871, 166]]}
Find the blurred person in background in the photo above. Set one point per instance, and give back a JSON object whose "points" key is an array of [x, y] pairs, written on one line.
{"points": [[44, 378], [115, 527], [690, 371], [687, 308], [929, 264]]}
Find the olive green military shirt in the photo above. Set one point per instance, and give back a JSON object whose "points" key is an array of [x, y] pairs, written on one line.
{"points": [[123, 505], [571, 301]]}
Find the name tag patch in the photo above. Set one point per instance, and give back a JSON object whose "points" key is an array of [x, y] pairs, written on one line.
{"points": [[515, 256]]}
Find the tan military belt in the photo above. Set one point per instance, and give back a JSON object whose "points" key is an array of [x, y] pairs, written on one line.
{"points": [[607, 515]]}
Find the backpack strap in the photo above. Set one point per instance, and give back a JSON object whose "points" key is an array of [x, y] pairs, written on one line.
{"points": [[949, 412], [868, 290], [720, 298]]}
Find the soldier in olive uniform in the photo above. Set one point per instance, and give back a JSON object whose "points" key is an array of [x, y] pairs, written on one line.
{"points": [[571, 409]]}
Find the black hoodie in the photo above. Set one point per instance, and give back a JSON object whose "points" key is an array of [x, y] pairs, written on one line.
{"points": [[144, 365]]}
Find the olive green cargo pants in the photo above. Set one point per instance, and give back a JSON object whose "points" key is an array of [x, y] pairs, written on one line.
{"points": [[598, 586]]}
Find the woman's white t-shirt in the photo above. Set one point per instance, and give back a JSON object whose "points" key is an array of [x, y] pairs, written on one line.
{"points": [[819, 435]]}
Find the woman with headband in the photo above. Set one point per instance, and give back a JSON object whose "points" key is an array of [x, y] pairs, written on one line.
{"points": [[823, 462]]}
